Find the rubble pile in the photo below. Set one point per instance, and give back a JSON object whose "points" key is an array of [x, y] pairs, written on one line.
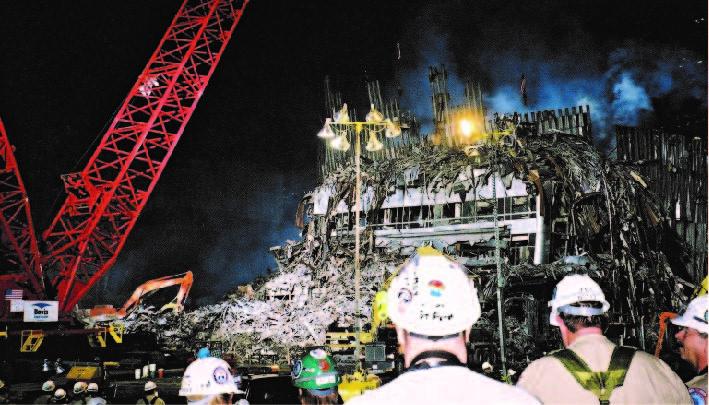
{"points": [[293, 309], [615, 230]]}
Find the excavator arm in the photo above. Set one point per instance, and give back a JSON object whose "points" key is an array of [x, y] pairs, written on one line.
{"points": [[146, 289], [184, 280]]}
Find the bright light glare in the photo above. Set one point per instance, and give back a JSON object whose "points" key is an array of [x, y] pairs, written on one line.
{"points": [[466, 127]]}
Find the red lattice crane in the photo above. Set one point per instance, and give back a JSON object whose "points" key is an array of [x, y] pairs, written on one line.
{"points": [[16, 229], [104, 200]]}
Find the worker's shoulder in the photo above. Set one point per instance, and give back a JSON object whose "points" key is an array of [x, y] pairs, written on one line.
{"points": [[646, 360], [446, 385], [550, 360]]}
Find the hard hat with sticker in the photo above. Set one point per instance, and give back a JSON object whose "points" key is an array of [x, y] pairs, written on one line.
{"points": [[208, 376], [316, 372], [432, 295]]}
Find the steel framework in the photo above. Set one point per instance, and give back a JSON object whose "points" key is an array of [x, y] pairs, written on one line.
{"points": [[18, 236], [104, 200]]}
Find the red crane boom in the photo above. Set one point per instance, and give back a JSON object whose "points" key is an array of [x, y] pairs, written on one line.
{"points": [[16, 225], [104, 200]]}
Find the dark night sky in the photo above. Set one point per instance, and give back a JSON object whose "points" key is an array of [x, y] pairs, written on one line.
{"points": [[231, 188]]}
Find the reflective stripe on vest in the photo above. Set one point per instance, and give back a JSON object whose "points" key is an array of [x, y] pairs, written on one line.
{"points": [[600, 383]]}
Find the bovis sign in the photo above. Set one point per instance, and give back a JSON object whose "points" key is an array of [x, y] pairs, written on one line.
{"points": [[41, 311]]}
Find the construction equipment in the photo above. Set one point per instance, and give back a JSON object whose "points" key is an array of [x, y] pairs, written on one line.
{"points": [[380, 349], [105, 199], [107, 313], [379, 344]]}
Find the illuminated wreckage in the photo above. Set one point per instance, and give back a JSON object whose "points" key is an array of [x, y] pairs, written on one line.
{"points": [[561, 207]]}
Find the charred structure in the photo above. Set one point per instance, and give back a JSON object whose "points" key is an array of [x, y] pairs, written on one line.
{"points": [[556, 202]]}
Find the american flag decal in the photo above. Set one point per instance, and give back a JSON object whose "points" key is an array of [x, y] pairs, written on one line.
{"points": [[13, 294]]}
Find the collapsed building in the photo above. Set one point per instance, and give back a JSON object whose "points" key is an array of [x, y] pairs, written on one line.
{"points": [[537, 199]]}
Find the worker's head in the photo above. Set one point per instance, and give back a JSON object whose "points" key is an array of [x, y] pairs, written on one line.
{"points": [[48, 386], [208, 381], [316, 377], [93, 388], [80, 387], [59, 394], [433, 305], [693, 335], [150, 388], [578, 303]]}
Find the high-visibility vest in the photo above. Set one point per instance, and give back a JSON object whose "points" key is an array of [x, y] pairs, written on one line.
{"points": [[600, 383]]}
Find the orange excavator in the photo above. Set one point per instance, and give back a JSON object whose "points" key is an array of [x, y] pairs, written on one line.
{"points": [[107, 313]]}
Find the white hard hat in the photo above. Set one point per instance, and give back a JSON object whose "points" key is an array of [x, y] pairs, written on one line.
{"points": [[696, 316], [60, 393], [573, 289], [150, 386], [96, 401], [432, 296], [48, 386], [93, 387], [80, 387], [208, 376]]}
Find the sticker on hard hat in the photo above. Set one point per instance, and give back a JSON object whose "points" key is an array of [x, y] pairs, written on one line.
{"points": [[436, 288], [325, 379], [404, 295], [698, 395], [297, 369], [221, 376], [323, 365], [318, 354]]}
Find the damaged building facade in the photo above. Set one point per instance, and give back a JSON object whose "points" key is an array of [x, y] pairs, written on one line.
{"points": [[537, 181]]}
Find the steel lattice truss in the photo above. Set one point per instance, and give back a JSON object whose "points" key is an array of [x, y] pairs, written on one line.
{"points": [[105, 199], [16, 221]]}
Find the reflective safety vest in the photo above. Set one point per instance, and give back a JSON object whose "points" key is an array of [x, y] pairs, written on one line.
{"points": [[600, 383]]}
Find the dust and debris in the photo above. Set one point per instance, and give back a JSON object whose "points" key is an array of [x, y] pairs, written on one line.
{"points": [[600, 218]]}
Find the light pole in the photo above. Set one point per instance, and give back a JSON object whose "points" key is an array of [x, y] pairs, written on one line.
{"points": [[335, 131]]}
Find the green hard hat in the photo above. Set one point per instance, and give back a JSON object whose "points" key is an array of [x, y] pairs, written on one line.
{"points": [[316, 372]]}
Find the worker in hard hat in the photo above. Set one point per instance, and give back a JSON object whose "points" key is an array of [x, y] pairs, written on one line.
{"points": [[591, 368], [317, 378], [433, 304], [92, 389], [150, 395], [59, 397], [79, 393], [93, 395], [48, 388], [693, 341], [208, 381]]}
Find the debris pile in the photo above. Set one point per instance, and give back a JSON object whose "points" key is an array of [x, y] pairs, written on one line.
{"points": [[601, 219]]}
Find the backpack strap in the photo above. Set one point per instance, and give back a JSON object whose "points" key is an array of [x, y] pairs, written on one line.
{"points": [[600, 383], [154, 400]]}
